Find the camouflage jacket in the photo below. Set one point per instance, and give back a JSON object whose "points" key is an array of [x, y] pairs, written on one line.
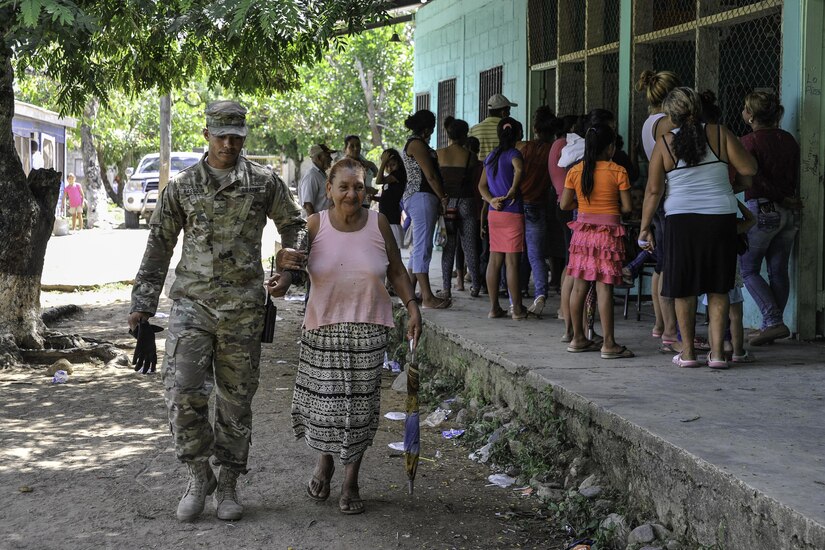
{"points": [[220, 265]]}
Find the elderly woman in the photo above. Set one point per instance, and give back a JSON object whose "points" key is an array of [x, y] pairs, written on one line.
{"points": [[700, 233], [424, 198], [348, 317], [774, 201]]}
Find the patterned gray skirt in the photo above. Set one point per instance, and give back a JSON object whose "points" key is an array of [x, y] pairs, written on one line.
{"points": [[337, 396]]}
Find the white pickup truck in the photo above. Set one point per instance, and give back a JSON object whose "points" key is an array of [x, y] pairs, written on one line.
{"points": [[141, 192]]}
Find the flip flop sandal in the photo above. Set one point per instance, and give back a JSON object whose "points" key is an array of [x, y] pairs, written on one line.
{"points": [[655, 334], [685, 363], [667, 348], [325, 488], [344, 504], [716, 364], [592, 346], [746, 358], [521, 317], [701, 344], [497, 315], [624, 353]]}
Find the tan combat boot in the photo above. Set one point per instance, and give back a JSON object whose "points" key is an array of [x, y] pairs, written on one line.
{"points": [[201, 483], [226, 501]]}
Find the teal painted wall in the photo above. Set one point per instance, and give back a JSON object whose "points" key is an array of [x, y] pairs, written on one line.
{"points": [[459, 39]]}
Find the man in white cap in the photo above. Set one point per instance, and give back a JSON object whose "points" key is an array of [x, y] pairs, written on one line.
{"points": [[312, 190], [486, 131]]}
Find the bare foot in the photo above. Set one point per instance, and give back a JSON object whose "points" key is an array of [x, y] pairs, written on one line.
{"points": [[436, 303]]}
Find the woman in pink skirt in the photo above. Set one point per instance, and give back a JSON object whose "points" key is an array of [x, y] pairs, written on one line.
{"points": [[597, 185], [499, 188]]}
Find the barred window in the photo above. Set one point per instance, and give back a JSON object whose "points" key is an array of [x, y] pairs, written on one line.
{"points": [[489, 83], [422, 101], [446, 107]]}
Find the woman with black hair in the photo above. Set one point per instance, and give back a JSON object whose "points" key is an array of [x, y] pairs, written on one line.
{"points": [[424, 198], [774, 201], [499, 187], [535, 189], [700, 233], [595, 187], [458, 166]]}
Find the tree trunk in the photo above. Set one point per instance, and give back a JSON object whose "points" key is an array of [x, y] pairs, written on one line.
{"points": [[165, 140], [105, 177], [366, 78], [98, 206], [26, 221]]}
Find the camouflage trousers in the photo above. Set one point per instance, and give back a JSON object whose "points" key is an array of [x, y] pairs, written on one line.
{"points": [[205, 348]]}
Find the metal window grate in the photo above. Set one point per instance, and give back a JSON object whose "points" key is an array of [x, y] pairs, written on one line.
{"points": [[422, 101], [489, 83], [729, 47], [446, 107], [543, 16], [752, 61], [571, 89], [572, 18]]}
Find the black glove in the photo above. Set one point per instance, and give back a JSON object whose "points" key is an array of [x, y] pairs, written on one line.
{"points": [[145, 358]]}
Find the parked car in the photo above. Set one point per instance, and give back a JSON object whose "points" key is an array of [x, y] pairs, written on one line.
{"points": [[140, 195]]}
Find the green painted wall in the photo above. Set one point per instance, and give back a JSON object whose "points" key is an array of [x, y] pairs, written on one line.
{"points": [[459, 39]]}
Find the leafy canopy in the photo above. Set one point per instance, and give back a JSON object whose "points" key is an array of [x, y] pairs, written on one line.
{"points": [[92, 47], [331, 103]]}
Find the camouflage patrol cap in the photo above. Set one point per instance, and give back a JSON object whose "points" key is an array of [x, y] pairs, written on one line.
{"points": [[226, 117]]}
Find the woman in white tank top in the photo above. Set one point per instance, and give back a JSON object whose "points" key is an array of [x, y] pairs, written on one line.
{"points": [[700, 235]]}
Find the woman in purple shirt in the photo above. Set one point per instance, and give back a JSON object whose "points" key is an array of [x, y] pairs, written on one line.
{"points": [[499, 188]]}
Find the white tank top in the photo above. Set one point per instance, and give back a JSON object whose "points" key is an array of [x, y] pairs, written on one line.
{"points": [[648, 139], [701, 189]]}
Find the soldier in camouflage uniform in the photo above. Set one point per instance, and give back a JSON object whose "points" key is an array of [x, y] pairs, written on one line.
{"points": [[222, 205]]}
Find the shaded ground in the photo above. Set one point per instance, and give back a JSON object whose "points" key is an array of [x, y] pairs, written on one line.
{"points": [[89, 464]]}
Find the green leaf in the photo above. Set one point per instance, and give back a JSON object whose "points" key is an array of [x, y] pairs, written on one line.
{"points": [[31, 11]]}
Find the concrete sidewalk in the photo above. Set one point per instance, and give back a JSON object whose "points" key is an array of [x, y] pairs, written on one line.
{"points": [[743, 447]]}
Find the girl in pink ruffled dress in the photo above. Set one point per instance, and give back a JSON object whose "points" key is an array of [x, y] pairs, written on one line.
{"points": [[600, 190]]}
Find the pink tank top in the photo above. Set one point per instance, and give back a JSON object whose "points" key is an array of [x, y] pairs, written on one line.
{"points": [[75, 195], [346, 273]]}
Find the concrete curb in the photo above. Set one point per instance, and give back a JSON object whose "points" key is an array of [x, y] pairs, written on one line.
{"points": [[694, 497]]}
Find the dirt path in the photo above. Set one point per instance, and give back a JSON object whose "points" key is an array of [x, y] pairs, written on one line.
{"points": [[90, 464]]}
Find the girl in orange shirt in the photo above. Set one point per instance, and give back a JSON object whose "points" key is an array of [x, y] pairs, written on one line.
{"points": [[597, 185]]}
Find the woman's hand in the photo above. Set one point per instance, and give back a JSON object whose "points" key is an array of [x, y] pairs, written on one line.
{"points": [[278, 284], [498, 202], [289, 258], [646, 240], [413, 322]]}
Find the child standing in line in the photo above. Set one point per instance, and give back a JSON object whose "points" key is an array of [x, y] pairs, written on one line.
{"points": [[596, 186], [74, 194], [734, 346]]}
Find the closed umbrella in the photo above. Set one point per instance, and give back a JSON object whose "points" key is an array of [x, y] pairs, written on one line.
{"points": [[412, 428], [590, 309]]}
